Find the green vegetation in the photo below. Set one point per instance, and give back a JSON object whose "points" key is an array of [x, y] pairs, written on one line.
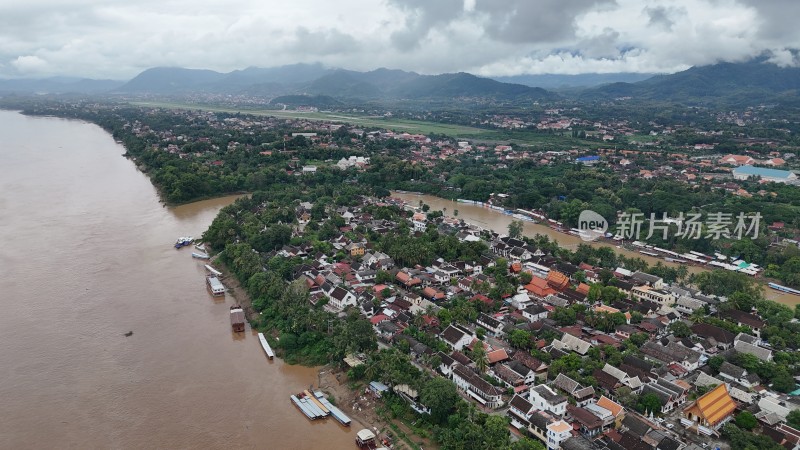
{"points": [[397, 125], [745, 440]]}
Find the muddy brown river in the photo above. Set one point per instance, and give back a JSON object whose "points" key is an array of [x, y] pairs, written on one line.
{"points": [[86, 256]]}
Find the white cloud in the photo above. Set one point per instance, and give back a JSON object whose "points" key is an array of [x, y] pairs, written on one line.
{"points": [[29, 64], [117, 39]]}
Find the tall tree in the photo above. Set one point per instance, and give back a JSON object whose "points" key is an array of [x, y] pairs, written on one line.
{"points": [[515, 228], [480, 357], [440, 395]]}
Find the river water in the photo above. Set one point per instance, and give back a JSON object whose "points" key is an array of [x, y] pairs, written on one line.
{"points": [[86, 255], [495, 220]]}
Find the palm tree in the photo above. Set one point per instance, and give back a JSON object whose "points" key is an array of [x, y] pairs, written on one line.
{"points": [[480, 357]]}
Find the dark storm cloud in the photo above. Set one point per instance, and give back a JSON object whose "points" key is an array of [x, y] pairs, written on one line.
{"points": [[421, 17], [525, 21], [324, 42], [661, 16], [779, 18]]}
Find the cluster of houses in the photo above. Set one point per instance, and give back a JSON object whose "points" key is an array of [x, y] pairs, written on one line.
{"points": [[553, 407]]}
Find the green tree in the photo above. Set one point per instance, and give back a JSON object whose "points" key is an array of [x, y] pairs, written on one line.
{"points": [[527, 444], [794, 418], [746, 420], [782, 380], [638, 339], [715, 362], [515, 228], [495, 432], [680, 329], [440, 395], [479, 355], [649, 403], [564, 316], [520, 338]]}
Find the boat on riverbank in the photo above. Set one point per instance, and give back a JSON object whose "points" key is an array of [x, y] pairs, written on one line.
{"points": [[335, 412], [265, 346], [183, 241], [215, 286], [200, 255], [237, 318], [366, 439], [309, 409], [782, 288], [213, 271]]}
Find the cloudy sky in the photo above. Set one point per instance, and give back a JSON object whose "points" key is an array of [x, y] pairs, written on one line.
{"points": [[119, 38]]}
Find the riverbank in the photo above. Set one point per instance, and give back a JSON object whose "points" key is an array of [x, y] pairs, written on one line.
{"points": [[351, 399]]}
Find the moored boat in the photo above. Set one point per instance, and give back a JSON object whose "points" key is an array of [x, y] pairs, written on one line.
{"points": [[213, 271], [335, 412], [237, 318], [215, 286], [366, 439], [199, 255], [303, 406], [265, 345], [183, 241], [782, 288]]}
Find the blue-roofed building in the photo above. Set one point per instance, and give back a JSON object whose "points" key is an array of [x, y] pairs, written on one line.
{"points": [[778, 176], [587, 160], [378, 388]]}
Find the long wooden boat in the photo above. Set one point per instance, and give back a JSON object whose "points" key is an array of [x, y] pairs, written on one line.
{"points": [[782, 288], [265, 345], [335, 412]]}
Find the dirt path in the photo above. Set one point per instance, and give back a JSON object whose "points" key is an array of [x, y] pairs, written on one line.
{"points": [[356, 404]]}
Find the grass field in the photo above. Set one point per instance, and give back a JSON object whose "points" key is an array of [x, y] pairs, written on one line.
{"points": [[399, 125], [521, 137]]}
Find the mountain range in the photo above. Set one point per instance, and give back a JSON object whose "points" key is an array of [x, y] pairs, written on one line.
{"points": [[316, 85], [728, 83], [316, 80]]}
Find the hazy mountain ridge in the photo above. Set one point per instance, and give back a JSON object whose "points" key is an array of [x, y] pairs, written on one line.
{"points": [[583, 80], [723, 82], [754, 81], [314, 80]]}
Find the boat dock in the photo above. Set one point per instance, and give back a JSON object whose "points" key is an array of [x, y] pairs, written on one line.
{"points": [[265, 345], [335, 412]]}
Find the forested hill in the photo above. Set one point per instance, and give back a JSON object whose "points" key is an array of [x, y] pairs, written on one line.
{"points": [[754, 81], [380, 84]]}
